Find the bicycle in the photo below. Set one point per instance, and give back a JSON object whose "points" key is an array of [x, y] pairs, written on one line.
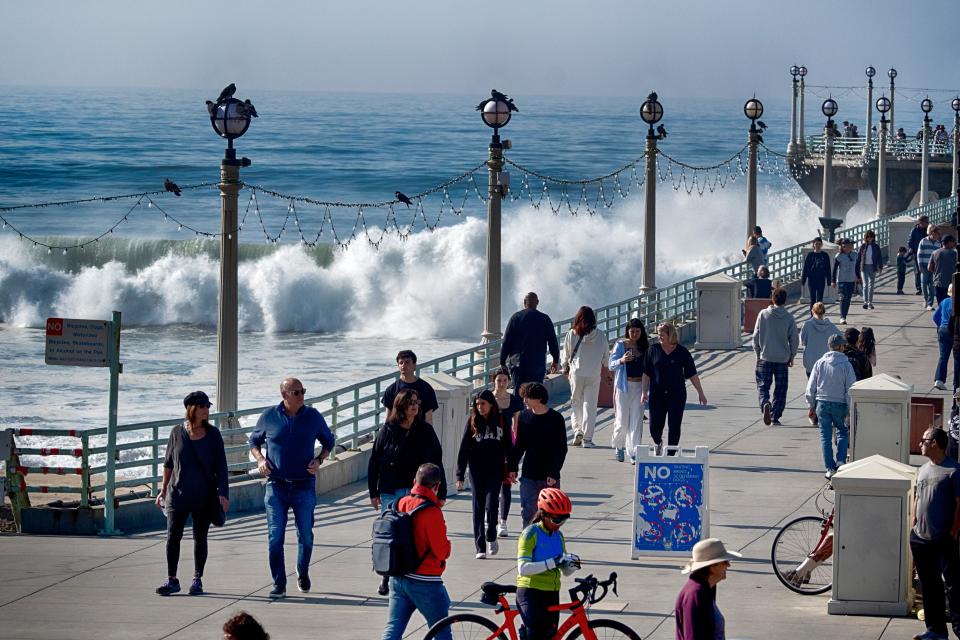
{"points": [[802, 553], [471, 626]]}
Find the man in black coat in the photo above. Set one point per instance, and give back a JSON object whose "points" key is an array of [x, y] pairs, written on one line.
{"points": [[523, 351]]}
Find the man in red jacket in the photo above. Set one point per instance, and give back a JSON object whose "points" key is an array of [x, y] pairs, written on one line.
{"points": [[423, 589]]}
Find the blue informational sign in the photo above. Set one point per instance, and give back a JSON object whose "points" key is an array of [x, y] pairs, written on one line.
{"points": [[670, 504]]}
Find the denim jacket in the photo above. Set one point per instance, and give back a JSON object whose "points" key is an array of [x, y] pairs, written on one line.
{"points": [[619, 369]]}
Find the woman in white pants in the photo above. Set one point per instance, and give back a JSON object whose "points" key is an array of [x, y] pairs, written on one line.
{"points": [[626, 361], [585, 349]]}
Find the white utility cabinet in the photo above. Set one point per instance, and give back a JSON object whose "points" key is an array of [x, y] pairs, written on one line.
{"points": [[871, 545], [718, 312], [880, 418], [829, 293], [898, 234], [453, 396]]}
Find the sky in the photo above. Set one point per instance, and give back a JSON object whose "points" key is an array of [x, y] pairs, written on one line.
{"points": [[695, 48]]}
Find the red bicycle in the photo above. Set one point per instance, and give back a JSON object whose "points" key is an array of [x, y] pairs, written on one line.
{"points": [[471, 626], [802, 552]]}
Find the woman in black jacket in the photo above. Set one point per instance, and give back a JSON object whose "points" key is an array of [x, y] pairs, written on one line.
{"points": [[816, 271], [485, 448], [194, 471], [403, 443]]}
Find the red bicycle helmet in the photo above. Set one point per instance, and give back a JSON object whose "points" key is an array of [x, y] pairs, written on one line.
{"points": [[554, 502]]}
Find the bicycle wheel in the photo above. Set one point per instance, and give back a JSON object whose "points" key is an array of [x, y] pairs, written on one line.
{"points": [[607, 630], [466, 626], [796, 540]]}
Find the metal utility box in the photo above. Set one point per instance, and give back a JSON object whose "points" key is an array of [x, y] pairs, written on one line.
{"points": [[871, 546], [453, 396], [880, 418], [829, 293], [898, 235], [718, 312]]}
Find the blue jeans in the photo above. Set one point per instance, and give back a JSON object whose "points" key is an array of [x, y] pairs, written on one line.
{"points": [[869, 278], [926, 279], [408, 595], [832, 415], [772, 374], [846, 290], [386, 499], [281, 496], [946, 346]]}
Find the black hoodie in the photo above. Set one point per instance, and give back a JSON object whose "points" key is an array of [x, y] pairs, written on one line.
{"points": [[398, 453]]}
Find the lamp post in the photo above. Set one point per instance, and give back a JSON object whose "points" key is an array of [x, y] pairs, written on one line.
{"points": [[801, 143], [892, 74], [956, 142], [496, 113], [829, 108], [230, 118], [792, 146], [651, 112], [883, 106], [926, 105], [753, 109], [870, 71]]}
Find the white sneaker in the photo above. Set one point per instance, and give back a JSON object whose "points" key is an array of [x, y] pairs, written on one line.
{"points": [[481, 556], [939, 384], [588, 444], [494, 547], [843, 320], [502, 531]]}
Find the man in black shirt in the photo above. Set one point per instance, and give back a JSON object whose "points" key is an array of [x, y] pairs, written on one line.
{"points": [[407, 363], [523, 351]]}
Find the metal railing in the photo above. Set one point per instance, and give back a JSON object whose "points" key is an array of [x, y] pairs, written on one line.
{"points": [[902, 149], [354, 412]]}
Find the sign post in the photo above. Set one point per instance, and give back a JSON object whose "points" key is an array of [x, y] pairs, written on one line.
{"points": [[92, 343], [671, 502]]}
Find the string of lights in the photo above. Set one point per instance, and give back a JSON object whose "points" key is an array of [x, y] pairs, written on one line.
{"points": [[125, 196]]}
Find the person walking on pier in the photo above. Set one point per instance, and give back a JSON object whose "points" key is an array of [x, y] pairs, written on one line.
{"points": [[695, 611], [485, 449], [845, 276], [510, 405], [289, 430], [901, 269], [816, 271], [666, 368], [925, 250], [407, 364], [827, 396], [404, 442], [917, 234], [585, 349], [762, 242], [858, 359], [542, 443], [942, 317], [943, 263], [523, 350], [814, 335], [626, 362], [933, 539], [775, 341], [194, 470], [753, 256], [869, 265]]}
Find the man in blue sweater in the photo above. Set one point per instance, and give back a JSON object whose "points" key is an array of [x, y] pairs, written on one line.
{"points": [[290, 430]]}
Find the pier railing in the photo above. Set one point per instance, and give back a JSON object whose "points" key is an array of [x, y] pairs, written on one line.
{"points": [[354, 412], [901, 149]]}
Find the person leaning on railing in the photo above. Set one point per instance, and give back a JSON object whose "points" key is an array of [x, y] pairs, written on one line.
{"points": [[195, 457]]}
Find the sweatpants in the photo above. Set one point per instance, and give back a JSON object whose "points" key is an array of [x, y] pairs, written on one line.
{"points": [[584, 394], [486, 498], [628, 424]]}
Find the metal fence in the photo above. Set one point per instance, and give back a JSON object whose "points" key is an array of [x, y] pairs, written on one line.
{"points": [[901, 149], [354, 412]]}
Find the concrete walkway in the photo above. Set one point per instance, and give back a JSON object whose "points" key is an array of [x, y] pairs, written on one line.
{"points": [[761, 476]]}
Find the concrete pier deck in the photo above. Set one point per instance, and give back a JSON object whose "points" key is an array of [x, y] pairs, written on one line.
{"points": [[57, 587]]}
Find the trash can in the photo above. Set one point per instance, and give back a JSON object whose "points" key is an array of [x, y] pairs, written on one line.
{"points": [[871, 545], [880, 418], [718, 312]]}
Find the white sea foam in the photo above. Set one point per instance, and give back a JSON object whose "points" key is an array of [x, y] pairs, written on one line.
{"points": [[430, 284]]}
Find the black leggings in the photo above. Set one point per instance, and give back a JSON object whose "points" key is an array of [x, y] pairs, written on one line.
{"points": [[176, 521], [532, 603], [485, 501], [667, 408]]}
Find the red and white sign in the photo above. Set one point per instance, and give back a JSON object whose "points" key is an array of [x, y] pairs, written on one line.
{"points": [[77, 343]]}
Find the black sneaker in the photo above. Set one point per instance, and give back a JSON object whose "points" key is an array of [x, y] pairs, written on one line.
{"points": [[776, 422], [169, 587], [384, 588], [278, 593], [303, 583], [196, 587], [767, 416]]}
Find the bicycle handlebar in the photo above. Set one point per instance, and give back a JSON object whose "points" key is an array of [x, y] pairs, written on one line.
{"points": [[586, 589]]}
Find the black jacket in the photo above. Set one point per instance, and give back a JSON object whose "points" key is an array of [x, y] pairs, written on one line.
{"points": [[816, 268], [486, 455], [398, 453], [529, 333], [543, 439]]}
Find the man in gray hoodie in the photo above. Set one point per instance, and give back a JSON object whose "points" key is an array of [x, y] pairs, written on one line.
{"points": [[775, 341], [827, 393]]}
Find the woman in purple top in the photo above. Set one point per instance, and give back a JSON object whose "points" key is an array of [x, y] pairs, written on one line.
{"points": [[696, 612]]}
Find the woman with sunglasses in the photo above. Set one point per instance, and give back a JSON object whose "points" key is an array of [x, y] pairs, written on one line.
{"points": [[403, 443], [484, 448], [541, 556]]}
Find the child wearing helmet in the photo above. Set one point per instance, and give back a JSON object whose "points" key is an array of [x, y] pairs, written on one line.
{"points": [[541, 556]]}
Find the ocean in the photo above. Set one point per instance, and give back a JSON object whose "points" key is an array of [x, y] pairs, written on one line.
{"points": [[329, 315]]}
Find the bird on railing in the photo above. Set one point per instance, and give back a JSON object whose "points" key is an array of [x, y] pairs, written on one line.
{"points": [[171, 186], [403, 198]]}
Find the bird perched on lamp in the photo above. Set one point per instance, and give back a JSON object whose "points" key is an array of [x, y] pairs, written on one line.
{"points": [[227, 92], [661, 132], [497, 96]]}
